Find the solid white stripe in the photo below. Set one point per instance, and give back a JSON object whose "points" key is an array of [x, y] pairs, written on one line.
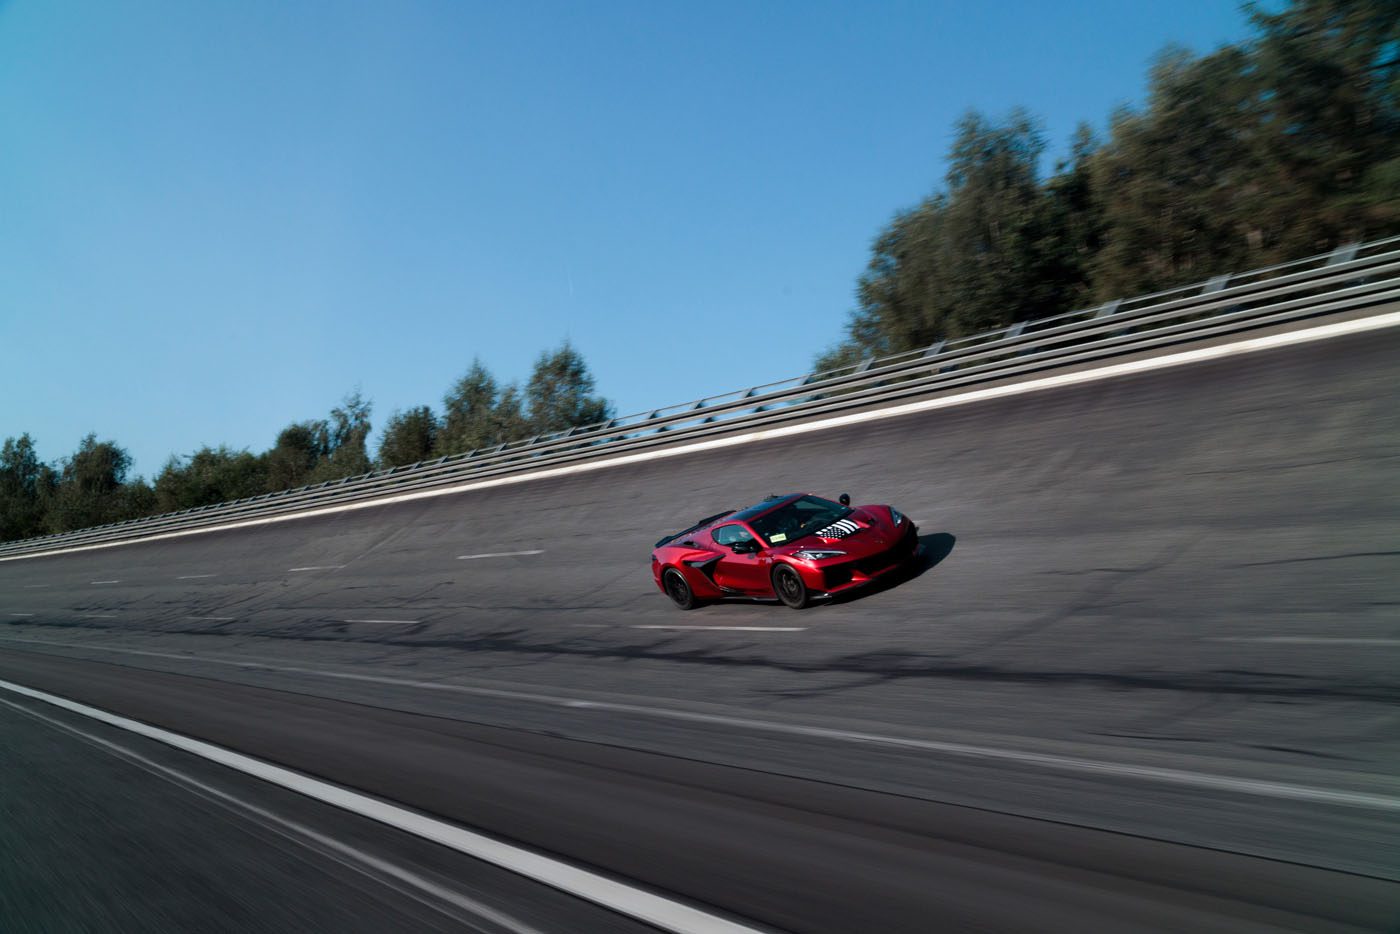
{"points": [[1199, 355], [1247, 786], [345, 854], [679, 626], [501, 554], [320, 567], [1306, 640], [636, 903]]}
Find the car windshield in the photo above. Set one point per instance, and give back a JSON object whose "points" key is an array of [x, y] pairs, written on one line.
{"points": [[802, 516]]}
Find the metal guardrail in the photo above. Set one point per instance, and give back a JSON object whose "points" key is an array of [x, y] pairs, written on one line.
{"points": [[1352, 276]]}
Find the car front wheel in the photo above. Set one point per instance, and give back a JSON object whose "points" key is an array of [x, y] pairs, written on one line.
{"points": [[678, 589], [788, 585]]}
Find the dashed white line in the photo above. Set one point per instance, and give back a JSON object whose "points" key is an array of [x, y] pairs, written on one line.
{"points": [[501, 554], [104, 582], [386, 622], [21, 614], [679, 627], [319, 567], [191, 577], [645, 906], [1182, 777], [221, 619], [1306, 640]]}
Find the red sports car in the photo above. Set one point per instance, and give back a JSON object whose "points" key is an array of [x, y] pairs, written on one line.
{"points": [[795, 547]]}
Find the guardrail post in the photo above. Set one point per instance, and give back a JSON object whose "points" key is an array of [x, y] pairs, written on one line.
{"points": [[1107, 310], [1343, 254], [1215, 284]]}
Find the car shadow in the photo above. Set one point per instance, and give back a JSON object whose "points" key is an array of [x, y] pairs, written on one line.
{"points": [[933, 550]]}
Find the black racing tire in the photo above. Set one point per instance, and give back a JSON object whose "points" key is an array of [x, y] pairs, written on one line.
{"points": [[790, 587], [678, 589]]}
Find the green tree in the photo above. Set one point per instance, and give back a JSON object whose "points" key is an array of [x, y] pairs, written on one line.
{"points": [[208, 476], [1178, 180], [560, 393], [1069, 225], [137, 499], [344, 440], [470, 418], [989, 250], [511, 422], [89, 488], [1328, 139], [408, 437], [289, 463], [26, 484], [1262, 151]]}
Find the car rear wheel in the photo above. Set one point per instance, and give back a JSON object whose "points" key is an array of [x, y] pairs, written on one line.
{"points": [[678, 589], [788, 585]]}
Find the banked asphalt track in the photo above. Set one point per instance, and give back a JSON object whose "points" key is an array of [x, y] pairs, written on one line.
{"points": [[1146, 678]]}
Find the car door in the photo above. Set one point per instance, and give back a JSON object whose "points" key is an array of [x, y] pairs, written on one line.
{"points": [[743, 571]]}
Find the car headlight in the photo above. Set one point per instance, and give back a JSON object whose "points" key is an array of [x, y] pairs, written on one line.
{"points": [[896, 515], [817, 554]]}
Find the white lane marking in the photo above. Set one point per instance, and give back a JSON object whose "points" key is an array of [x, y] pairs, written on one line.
{"points": [[387, 622], [501, 554], [319, 567], [1268, 789], [349, 856], [191, 577], [104, 582], [221, 619], [731, 628], [1306, 640], [642, 905], [1199, 355], [21, 614]]}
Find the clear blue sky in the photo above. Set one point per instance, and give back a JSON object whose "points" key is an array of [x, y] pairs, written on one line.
{"points": [[217, 218]]}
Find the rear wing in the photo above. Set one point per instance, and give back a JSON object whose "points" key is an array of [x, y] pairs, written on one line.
{"points": [[699, 525]]}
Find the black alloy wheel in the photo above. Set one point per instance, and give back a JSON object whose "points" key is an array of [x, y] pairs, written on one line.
{"points": [[678, 589], [788, 585]]}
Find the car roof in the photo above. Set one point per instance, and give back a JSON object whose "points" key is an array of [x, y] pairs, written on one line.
{"points": [[758, 509]]}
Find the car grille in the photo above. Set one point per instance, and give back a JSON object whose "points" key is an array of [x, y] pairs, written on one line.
{"points": [[837, 575]]}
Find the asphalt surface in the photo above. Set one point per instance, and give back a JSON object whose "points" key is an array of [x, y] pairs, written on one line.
{"points": [[101, 830], [708, 833], [1160, 609]]}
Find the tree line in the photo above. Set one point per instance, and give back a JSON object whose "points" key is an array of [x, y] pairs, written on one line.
{"points": [[94, 486], [1279, 147]]}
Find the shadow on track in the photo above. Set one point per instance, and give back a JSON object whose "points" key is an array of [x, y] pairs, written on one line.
{"points": [[933, 549]]}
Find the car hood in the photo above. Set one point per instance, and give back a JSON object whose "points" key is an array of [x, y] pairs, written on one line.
{"points": [[865, 531]]}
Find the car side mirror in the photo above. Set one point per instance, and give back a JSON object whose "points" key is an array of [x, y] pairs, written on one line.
{"points": [[844, 499], [747, 547]]}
